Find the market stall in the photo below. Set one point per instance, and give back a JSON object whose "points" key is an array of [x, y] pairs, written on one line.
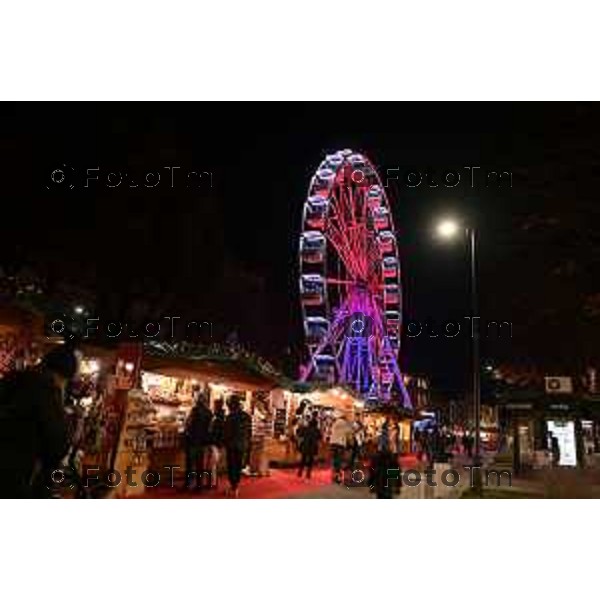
{"points": [[21, 339], [293, 405], [399, 428], [134, 406], [141, 404], [172, 385]]}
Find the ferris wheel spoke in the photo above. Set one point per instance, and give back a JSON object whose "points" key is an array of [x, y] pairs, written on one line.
{"points": [[341, 245], [356, 234], [363, 234], [374, 267], [333, 281], [341, 212], [346, 207], [348, 210], [337, 225], [348, 234], [357, 228]]}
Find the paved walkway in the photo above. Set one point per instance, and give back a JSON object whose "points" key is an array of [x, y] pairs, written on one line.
{"points": [[562, 482], [284, 483]]}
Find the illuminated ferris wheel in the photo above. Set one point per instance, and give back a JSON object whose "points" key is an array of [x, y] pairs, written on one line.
{"points": [[350, 287]]}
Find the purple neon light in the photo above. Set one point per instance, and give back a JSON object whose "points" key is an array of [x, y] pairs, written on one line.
{"points": [[356, 366]]}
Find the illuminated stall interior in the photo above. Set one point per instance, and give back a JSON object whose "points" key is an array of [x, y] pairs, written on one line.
{"points": [[289, 406], [22, 338], [172, 385]]}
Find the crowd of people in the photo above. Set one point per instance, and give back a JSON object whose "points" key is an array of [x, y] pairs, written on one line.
{"points": [[317, 433], [35, 437], [211, 435], [441, 442], [347, 443], [234, 439]]}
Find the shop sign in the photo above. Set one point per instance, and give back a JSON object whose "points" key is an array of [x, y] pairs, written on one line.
{"points": [[520, 406], [565, 436], [558, 385]]}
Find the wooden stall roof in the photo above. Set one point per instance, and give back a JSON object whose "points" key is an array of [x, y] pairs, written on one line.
{"points": [[231, 373], [14, 318]]}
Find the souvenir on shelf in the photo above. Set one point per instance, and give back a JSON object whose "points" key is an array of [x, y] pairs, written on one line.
{"points": [[138, 420]]}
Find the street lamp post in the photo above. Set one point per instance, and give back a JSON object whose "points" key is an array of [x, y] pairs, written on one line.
{"points": [[448, 229], [475, 357]]}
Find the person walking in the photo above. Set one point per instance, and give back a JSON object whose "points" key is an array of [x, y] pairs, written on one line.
{"points": [[340, 431], [262, 431], [470, 445], [555, 449], [197, 441], [33, 427], [384, 479], [395, 444], [358, 440], [217, 441], [238, 430], [467, 443], [309, 447], [416, 448], [383, 441]]}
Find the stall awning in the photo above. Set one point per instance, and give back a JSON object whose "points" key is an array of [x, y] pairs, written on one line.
{"points": [[14, 318], [231, 373]]}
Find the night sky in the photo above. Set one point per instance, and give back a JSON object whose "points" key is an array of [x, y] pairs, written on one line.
{"points": [[228, 252]]}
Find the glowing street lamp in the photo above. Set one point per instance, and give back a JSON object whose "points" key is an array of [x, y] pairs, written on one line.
{"points": [[447, 229]]}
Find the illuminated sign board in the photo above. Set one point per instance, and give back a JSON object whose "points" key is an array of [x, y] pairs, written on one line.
{"points": [[564, 431]]}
